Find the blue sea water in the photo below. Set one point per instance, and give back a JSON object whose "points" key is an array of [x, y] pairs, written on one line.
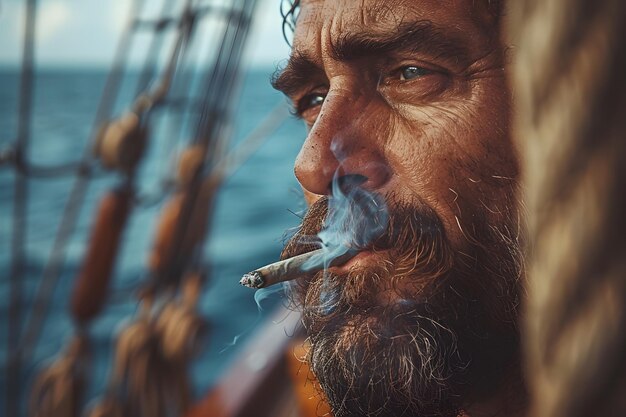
{"points": [[254, 208]]}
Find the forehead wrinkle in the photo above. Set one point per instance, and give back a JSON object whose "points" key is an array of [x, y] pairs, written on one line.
{"points": [[346, 16], [451, 20], [414, 36]]}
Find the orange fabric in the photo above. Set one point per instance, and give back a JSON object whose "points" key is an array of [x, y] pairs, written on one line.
{"points": [[310, 399]]}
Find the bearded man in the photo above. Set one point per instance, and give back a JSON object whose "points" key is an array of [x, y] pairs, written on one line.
{"points": [[409, 159]]}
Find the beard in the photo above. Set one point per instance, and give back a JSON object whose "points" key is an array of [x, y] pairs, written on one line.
{"points": [[426, 331]]}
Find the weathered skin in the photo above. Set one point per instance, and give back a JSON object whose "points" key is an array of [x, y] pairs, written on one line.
{"points": [[442, 137]]}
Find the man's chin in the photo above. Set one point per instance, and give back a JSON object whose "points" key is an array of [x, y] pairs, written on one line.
{"points": [[414, 328], [421, 350], [391, 360]]}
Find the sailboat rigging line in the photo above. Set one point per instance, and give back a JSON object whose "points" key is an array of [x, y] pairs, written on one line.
{"points": [[164, 23], [185, 105], [238, 156], [159, 98], [228, 164], [19, 228], [219, 86], [216, 87], [185, 29], [150, 61], [42, 171], [211, 87], [114, 79], [53, 267]]}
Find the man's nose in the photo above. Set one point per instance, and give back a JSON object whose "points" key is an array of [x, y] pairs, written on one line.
{"points": [[344, 145]]}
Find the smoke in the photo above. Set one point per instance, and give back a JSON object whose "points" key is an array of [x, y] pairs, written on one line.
{"points": [[355, 219]]}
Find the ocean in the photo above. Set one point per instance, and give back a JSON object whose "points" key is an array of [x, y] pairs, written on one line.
{"points": [[254, 208]]}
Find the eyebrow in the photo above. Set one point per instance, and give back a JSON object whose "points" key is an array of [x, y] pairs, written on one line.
{"points": [[414, 37], [417, 37], [299, 71]]}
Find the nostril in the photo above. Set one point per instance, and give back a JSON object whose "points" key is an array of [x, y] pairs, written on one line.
{"points": [[346, 183]]}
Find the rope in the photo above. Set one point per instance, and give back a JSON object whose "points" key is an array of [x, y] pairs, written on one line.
{"points": [[57, 391], [150, 61], [53, 267], [571, 97], [13, 361], [209, 133], [238, 156], [152, 358]]}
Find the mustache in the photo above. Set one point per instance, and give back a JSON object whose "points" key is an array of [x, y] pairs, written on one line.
{"points": [[416, 258], [413, 233]]}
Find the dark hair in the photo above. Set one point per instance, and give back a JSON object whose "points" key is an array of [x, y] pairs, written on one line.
{"points": [[289, 12]]}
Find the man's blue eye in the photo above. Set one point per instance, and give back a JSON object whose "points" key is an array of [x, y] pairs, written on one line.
{"points": [[411, 72], [309, 101], [314, 100]]}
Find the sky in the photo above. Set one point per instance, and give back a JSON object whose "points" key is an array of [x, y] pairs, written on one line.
{"points": [[84, 33]]}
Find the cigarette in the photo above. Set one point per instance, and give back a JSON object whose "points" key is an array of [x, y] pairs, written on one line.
{"points": [[290, 269]]}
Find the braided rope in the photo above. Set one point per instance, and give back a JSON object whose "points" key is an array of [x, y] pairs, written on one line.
{"points": [[571, 126], [152, 358], [57, 390]]}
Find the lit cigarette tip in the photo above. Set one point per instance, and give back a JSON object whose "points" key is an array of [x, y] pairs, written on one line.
{"points": [[252, 280]]}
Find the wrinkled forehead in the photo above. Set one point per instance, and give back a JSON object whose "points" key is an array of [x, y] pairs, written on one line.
{"points": [[324, 21]]}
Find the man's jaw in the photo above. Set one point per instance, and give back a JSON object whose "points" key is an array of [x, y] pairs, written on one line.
{"points": [[402, 302]]}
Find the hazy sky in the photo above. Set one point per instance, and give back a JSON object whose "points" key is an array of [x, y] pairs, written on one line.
{"points": [[85, 32]]}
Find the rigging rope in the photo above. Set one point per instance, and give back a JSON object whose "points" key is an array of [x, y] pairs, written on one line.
{"points": [[571, 97], [208, 137], [53, 267], [151, 58], [152, 353], [19, 226]]}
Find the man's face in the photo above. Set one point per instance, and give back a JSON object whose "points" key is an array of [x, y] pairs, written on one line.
{"points": [[407, 102]]}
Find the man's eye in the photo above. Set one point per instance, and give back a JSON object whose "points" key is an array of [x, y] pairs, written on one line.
{"points": [[310, 101], [412, 72]]}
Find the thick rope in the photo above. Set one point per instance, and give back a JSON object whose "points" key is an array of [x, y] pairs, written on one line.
{"points": [[152, 359], [58, 390], [19, 226], [571, 125]]}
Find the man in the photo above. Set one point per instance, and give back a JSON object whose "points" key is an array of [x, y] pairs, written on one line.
{"points": [[408, 158]]}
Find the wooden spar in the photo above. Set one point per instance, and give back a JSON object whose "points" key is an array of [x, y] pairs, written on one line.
{"points": [[91, 286]]}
